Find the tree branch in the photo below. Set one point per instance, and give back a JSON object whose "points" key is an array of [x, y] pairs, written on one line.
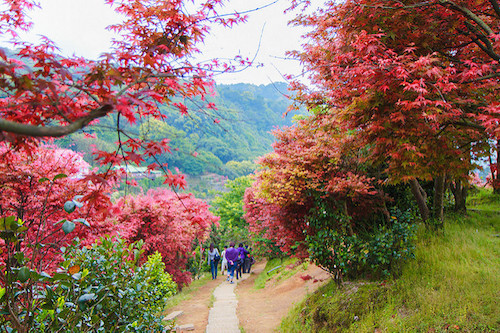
{"points": [[496, 7], [54, 131], [468, 13]]}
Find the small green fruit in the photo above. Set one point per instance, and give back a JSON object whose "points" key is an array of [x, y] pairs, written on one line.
{"points": [[24, 274], [69, 206], [68, 227]]}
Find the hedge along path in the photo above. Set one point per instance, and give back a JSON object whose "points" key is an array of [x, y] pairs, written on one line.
{"points": [[222, 317]]}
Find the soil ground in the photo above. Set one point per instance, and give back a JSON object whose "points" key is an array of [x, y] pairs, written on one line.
{"points": [[259, 310], [196, 308]]}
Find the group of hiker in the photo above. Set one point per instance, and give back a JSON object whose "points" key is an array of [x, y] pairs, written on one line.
{"points": [[234, 260]]}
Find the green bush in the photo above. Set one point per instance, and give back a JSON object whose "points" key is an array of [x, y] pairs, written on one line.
{"points": [[373, 254], [103, 289]]}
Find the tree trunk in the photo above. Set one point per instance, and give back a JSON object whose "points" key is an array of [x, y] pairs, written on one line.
{"points": [[421, 198], [439, 189], [459, 191]]}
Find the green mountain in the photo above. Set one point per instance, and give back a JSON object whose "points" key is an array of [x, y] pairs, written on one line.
{"points": [[225, 140]]}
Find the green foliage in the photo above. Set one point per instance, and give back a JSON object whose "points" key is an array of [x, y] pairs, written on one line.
{"points": [[483, 199], [160, 285], [101, 288], [452, 285], [267, 248], [235, 169], [229, 206], [377, 253], [246, 114]]}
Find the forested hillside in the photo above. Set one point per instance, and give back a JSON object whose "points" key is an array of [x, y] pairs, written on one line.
{"points": [[224, 140]]}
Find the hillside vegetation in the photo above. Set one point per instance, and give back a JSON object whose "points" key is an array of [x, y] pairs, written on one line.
{"points": [[451, 286], [224, 140]]}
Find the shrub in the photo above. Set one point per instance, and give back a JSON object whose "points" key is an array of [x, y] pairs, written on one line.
{"points": [[101, 288], [375, 253]]}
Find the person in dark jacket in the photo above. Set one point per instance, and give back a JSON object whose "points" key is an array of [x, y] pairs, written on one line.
{"points": [[247, 262], [213, 260], [242, 254], [232, 258]]}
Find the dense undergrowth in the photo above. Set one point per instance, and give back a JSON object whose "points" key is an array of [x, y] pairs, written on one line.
{"points": [[452, 285]]}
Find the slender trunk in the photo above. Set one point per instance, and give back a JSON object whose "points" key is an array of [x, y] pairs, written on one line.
{"points": [[439, 189], [349, 223], [459, 190], [380, 191], [495, 173], [421, 198]]}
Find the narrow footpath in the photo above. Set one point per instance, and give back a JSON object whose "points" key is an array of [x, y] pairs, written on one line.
{"points": [[222, 317]]}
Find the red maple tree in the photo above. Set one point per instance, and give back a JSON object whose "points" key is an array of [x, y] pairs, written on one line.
{"points": [[167, 222], [34, 189], [46, 94], [415, 80], [312, 161]]}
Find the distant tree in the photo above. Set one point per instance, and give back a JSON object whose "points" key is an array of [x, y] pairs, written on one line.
{"points": [[168, 223], [228, 205], [235, 169]]}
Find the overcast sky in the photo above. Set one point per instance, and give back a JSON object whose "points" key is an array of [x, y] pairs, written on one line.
{"points": [[78, 27]]}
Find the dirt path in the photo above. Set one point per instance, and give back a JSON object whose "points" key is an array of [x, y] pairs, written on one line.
{"points": [[258, 311], [261, 310], [196, 308]]}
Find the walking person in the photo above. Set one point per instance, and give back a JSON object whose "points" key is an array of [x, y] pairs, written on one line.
{"points": [[247, 263], [242, 254], [232, 258], [213, 259], [223, 267]]}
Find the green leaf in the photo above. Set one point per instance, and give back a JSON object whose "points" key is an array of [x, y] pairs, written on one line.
{"points": [[2, 292], [44, 179], [19, 257], [86, 298], [59, 176], [68, 227], [82, 221], [7, 222]]}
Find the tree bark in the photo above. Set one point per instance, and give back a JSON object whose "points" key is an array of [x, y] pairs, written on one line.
{"points": [[459, 191], [53, 131], [421, 198], [439, 189]]}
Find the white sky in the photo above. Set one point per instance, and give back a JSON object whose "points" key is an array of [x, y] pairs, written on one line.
{"points": [[78, 27]]}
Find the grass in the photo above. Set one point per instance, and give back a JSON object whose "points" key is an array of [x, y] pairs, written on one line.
{"points": [[279, 270], [211, 301], [186, 292], [483, 199], [453, 285]]}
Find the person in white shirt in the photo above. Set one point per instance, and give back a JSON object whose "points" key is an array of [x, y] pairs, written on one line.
{"points": [[223, 267]]}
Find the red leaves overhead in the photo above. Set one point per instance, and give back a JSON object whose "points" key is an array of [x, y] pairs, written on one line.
{"points": [[148, 66], [416, 82]]}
